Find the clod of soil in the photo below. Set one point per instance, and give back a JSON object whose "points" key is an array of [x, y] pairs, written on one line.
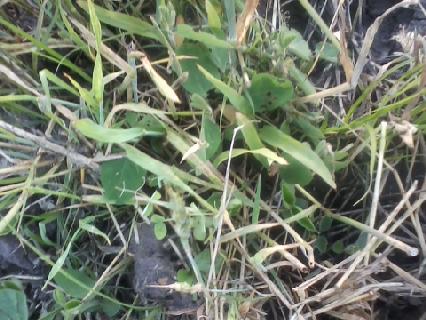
{"points": [[14, 258], [154, 267]]}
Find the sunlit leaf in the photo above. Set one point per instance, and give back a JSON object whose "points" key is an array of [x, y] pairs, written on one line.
{"points": [[124, 22], [234, 97], [121, 178], [301, 152], [107, 135], [205, 38]]}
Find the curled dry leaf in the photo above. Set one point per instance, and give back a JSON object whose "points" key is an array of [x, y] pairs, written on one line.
{"points": [[405, 130]]}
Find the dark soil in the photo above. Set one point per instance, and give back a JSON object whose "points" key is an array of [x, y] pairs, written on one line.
{"points": [[154, 266]]}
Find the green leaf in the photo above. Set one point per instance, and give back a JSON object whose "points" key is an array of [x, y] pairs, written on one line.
{"points": [[327, 52], [160, 230], [197, 82], [120, 180], [203, 261], [234, 97], [305, 222], [86, 224], [312, 132], [125, 22], [156, 218], [96, 25], [288, 192], [338, 247], [256, 205], [213, 18], [152, 126], [295, 172], [97, 83], [72, 288], [107, 135], [154, 166], [251, 137], [199, 227], [61, 260], [184, 275], [286, 36], [208, 39], [13, 304], [321, 244], [210, 133], [199, 103], [301, 152], [300, 48], [265, 152], [325, 224], [269, 93]]}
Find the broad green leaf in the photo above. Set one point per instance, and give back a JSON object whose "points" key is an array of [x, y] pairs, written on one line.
{"points": [[160, 230], [197, 82], [86, 224], [208, 39], [321, 244], [251, 136], [338, 247], [199, 103], [234, 97], [152, 126], [107, 135], [309, 130], [327, 52], [154, 166], [300, 48], [61, 260], [210, 133], [184, 275], [203, 261], [301, 152], [13, 304], [72, 288], [213, 18], [256, 206], [295, 172], [325, 224], [199, 227], [269, 93], [121, 179], [125, 22], [156, 218], [286, 36]]}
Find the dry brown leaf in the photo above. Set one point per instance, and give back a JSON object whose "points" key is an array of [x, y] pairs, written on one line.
{"points": [[244, 19], [405, 130]]}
